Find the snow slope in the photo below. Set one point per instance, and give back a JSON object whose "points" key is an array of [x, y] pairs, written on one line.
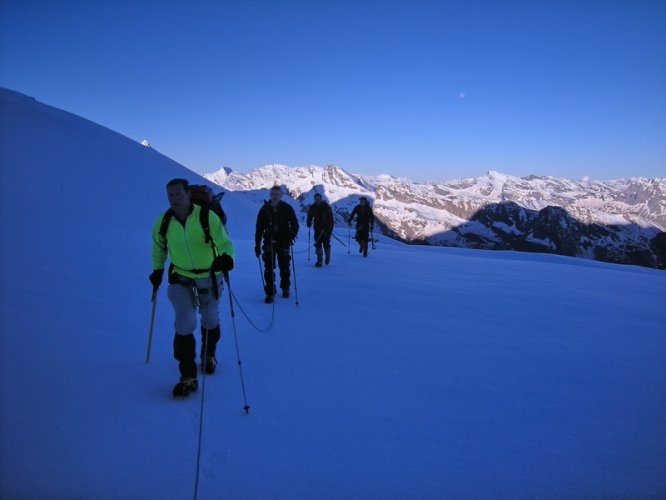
{"points": [[419, 372]]}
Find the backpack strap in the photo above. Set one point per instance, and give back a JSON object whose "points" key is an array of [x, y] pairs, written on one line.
{"points": [[219, 211], [205, 223], [165, 223]]}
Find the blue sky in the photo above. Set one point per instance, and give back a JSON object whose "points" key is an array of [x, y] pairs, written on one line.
{"points": [[422, 89]]}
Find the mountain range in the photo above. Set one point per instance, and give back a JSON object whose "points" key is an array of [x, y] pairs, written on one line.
{"points": [[620, 221]]}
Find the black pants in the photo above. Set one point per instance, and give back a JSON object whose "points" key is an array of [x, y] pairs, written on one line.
{"points": [[272, 253], [362, 233], [322, 241]]}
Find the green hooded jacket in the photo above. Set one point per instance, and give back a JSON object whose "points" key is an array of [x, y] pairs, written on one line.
{"points": [[185, 244]]}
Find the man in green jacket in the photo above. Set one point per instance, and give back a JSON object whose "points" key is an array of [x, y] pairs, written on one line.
{"points": [[196, 258]]}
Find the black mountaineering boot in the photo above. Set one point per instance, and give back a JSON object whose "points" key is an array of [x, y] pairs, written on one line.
{"points": [[183, 388], [270, 293], [319, 257], [184, 348]]}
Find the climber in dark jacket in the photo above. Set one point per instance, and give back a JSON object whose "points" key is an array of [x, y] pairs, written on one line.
{"points": [[321, 214], [277, 228], [365, 221]]}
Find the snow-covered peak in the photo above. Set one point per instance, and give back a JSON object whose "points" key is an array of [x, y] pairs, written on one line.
{"points": [[494, 175], [220, 176]]}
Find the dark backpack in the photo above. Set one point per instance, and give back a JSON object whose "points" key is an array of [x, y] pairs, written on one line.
{"points": [[203, 196]]}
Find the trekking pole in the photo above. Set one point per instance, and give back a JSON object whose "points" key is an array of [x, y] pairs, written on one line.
{"points": [[308, 243], [201, 415], [341, 242], [293, 266], [153, 299], [349, 239], [372, 235], [246, 407]]}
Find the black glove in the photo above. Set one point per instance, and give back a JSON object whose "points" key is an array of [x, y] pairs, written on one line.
{"points": [[222, 263], [349, 222], [257, 250], [156, 277]]}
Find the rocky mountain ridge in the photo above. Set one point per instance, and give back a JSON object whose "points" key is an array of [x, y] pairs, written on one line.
{"points": [[620, 220]]}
